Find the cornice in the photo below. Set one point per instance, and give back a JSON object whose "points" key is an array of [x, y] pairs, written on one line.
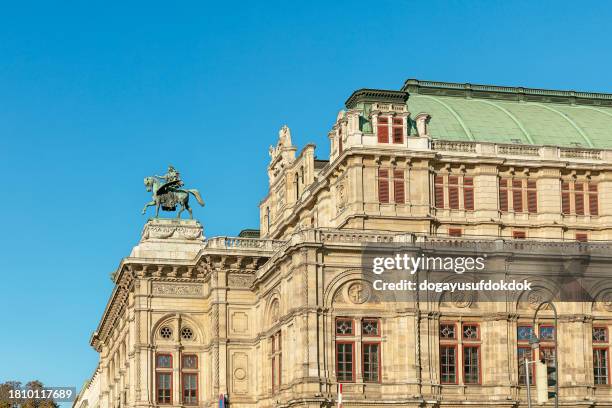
{"points": [[506, 92], [376, 95]]}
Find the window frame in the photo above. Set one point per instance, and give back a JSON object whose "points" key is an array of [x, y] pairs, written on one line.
{"points": [[449, 343], [446, 188], [276, 361], [352, 320], [399, 185], [477, 331], [197, 388], [378, 329], [383, 181], [546, 325], [607, 340], [157, 367], [588, 191], [478, 362], [394, 126], [337, 365], [157, 389], [455, 348], [524, 346], [383, 125], [605, 349], [510, 195], [379, 362]]}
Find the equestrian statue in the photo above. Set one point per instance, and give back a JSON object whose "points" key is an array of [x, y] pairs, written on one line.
{"points": [[168, 191]]}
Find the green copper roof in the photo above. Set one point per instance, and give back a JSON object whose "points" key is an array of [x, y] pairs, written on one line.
{"points": [[513, 115]]}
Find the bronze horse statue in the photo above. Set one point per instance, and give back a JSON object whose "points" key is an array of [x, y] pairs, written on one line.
{"points": [[168, 196]]}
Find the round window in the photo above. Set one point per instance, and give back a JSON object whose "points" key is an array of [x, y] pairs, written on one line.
{"points": [[186, 333], [165, 332]]}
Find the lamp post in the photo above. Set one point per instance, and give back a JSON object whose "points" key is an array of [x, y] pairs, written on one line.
{"points": [[535, 344]]}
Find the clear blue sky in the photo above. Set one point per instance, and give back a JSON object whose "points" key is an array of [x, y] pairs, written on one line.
{"points": [[96, 95]]}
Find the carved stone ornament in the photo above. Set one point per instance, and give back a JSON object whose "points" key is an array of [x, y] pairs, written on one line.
{"points": [[536, 297], [177, 289], [341, 195], [172, 229], [359, 292], [240, 281], [462, 299], [605, 302]]}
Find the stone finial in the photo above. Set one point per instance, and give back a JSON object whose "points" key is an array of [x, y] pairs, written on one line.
{"points": [[282, 154]]}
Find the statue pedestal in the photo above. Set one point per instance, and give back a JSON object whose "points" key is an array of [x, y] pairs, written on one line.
{"points": [[170, 238]]}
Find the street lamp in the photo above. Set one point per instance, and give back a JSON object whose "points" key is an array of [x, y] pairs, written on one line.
{"points": [[535, 345]]}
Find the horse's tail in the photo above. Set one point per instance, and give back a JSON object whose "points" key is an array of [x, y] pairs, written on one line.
{"points": [[197, 195]]}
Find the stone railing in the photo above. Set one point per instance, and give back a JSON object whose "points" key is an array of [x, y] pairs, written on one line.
{"points": [[588, 154], [502, 244], [242, 243], [518, 150], [447, 145], [351, 236]]}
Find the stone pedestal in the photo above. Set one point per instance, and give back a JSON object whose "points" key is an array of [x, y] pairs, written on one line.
{"points": [[167, 238]]}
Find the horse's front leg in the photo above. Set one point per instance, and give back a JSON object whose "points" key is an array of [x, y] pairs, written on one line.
{"points": [[180, 211], [147, 205]]}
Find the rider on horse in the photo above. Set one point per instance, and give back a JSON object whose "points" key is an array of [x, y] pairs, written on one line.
{"points": [[172, 179], [170, 194]]}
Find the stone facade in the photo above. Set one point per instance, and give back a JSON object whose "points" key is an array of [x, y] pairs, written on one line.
{"points": [[263, 320]]}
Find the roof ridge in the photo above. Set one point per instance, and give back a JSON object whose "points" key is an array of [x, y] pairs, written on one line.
{"points": [[572, 96]]}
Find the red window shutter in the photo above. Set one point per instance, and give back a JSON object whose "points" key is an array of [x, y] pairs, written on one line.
{"points": [[593, 200], [519, 235], [398, 186], [517, 195], [453, 192], [383, 186], [454, 232], [382, 129], [579, 198], [398, 135], [582, 237], [503, 195], [532, 196], [340, 140], [439, 191], [468, 193], [398, 130], [565, 198]]}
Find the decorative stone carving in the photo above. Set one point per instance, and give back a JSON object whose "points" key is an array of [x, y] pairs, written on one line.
{"points": [[172, 229], [462, 299], [240, 281], [359, 292], [274, 311], [240, 364], [341, 194], [280, 198], [536, 297], [239, 322], [177, 289], [282, 155], [605, 301]]}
